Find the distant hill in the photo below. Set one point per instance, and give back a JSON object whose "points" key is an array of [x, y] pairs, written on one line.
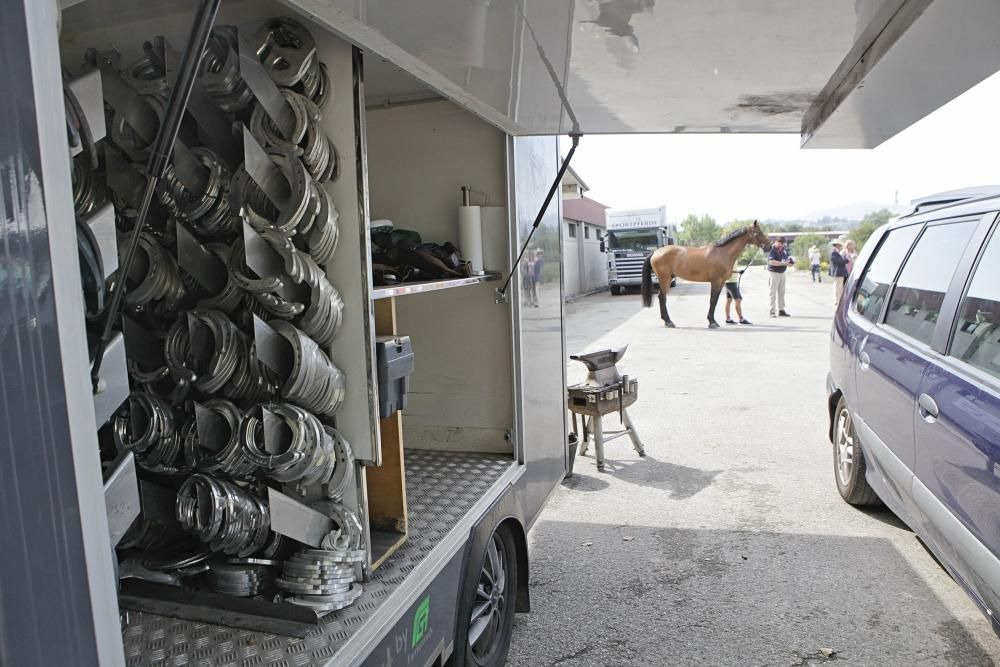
{"points": [[821, 223], [841, 217], [855, 211]]}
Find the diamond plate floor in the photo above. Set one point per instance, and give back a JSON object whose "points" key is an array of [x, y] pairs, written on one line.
{"points": [[440, 487]]}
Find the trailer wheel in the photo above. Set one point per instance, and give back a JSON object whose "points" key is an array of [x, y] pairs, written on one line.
{"points": [[492, 601]]}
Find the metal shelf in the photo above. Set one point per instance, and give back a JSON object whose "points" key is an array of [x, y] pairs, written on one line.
{"points": [[430, 286]]}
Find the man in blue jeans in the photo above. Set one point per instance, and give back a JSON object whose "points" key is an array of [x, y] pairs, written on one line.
{"points": [[778, 262]]}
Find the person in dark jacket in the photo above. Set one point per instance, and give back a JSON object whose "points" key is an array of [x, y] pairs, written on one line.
{"points": [[536, 274], [838, 266]]}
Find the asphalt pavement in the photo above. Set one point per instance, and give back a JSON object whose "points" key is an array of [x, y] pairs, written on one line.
{"points": [[728, 544]]}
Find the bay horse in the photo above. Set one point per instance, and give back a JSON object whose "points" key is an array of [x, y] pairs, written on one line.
{"points": [[709, 264]]}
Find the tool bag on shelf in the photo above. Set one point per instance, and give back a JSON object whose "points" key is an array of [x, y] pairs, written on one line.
{"points": [[401, 255]]}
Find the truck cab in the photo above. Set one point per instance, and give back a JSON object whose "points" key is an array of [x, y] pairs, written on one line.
{"points": [[632, 236]]}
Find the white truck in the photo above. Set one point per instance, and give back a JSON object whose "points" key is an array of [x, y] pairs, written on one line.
{"points": [[632, 235]]}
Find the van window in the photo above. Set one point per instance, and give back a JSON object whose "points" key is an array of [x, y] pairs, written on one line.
{"points": [[977, 329], [874, 284], [919, 292]]}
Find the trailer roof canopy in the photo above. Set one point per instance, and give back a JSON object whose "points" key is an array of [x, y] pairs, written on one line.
{"points": [[842, 73]]}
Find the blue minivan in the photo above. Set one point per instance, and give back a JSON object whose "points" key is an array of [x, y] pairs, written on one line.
{"points": [[914, 383]]}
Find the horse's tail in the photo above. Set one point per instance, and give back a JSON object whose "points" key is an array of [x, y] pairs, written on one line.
{"points": [[647, 281]]}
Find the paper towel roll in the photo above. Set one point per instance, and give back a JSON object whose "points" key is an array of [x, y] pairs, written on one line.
{"points": [[496, 245], [470, 236]]}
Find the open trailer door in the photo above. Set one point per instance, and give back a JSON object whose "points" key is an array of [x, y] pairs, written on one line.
{"points": [[842, 74]]}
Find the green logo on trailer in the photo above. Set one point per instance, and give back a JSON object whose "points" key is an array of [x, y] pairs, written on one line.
{"points": [[420, 620]]}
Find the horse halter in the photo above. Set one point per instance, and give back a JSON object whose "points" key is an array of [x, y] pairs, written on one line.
{"points": [[759, 238]]}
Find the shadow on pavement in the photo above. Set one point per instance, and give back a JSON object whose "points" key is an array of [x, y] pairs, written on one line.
{"points": [[606, 594], [885, 515], [750, 328], [581, 482], [682, 482]]}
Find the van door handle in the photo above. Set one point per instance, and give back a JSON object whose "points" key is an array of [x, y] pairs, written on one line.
{"points": [[928, 408], [864, 361]]}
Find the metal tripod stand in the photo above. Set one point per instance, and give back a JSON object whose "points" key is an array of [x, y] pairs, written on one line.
{"points": [[604, 392]]}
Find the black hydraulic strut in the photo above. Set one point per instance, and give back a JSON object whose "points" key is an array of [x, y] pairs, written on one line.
{"points": [[502, 291], [159, 158]]}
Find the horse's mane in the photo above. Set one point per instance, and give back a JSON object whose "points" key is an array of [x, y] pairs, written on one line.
{"points": [[732, 236]]}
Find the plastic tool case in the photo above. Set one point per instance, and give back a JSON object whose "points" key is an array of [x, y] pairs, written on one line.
{"points": [[395, 365]]}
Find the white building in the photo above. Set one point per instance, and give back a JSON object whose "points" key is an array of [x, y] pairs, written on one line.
{"points": [[585, 268]]}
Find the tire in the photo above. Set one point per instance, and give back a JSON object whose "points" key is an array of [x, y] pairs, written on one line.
{"points": [[849, 460], [491, 621], [615, 290], [673, 282]]}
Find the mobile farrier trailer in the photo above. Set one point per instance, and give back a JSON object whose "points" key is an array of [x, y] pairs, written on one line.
{"points": [[417, 100], [442, 490]]}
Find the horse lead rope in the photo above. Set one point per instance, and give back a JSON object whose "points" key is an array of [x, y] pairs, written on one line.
{"points": [[739, 281]]}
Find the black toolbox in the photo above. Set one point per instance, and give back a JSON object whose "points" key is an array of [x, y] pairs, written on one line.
{"points": [[395, 365]]}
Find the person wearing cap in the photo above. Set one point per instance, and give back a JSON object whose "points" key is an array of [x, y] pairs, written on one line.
{"points": [[838, 266], [778, 262], [814, 258]]}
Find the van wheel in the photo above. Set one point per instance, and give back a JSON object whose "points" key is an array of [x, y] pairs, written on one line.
{"points": [[492, 610], [849, 460]]}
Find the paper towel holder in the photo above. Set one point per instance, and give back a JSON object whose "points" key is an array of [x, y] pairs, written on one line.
{"points": [[467, 193], [470, 232]]}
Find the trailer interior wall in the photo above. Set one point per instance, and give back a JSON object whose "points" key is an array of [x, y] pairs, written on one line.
{"points": [[419, 157]]}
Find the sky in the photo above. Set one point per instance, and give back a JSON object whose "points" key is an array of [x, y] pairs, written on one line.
{"points": [[770, 177]]}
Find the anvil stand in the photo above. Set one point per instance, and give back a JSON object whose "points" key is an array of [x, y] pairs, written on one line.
{"points": [[603, 392]]}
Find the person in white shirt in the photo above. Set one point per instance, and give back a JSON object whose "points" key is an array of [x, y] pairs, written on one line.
{"points": [[814, 257]]}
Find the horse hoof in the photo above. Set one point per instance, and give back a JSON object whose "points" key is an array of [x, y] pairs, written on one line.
{"points": [[670, 325], [713, 325]]}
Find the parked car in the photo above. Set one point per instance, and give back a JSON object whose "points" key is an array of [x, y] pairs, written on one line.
{"points": [[914, 383]]}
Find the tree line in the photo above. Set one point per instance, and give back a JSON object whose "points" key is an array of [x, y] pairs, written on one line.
{"points": [[700, 230]]}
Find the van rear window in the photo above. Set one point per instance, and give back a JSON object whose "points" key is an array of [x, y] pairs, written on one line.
{"points": [[875, 283], [977, 329], [916, 300]]}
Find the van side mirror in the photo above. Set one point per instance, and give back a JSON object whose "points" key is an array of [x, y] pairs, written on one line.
{"points": [[603, 248]]}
